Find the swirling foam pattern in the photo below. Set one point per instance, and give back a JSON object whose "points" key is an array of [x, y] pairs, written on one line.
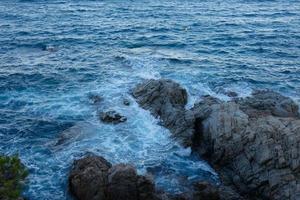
{"points": [[54, 54]]}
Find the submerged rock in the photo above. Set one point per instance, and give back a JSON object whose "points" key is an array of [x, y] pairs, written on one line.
{"points": [[204, 190], [95, 98], [126, 102], [112, 116], [166, 99], [94, 178]]}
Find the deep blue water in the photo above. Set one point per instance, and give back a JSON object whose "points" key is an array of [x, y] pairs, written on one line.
{"points": [[55, 54]]}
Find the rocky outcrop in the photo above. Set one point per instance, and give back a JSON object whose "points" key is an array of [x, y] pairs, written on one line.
{"points": [[112, 116], [88, 179], [254, 143], [94, 178], [268, 102], [166, 99]]}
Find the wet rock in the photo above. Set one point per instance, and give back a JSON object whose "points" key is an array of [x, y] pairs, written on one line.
{"points": [[93, 178], [166, 99], [254, 143], [95, 98], [231, 94], [126, 102], [89, 178], [112, 116]]}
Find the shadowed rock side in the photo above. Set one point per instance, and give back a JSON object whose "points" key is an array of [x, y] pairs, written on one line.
{"points": [[254, 143], [167, 99], [94, 178]]}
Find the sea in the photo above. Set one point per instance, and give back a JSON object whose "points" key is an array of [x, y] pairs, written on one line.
{"points": [[56, 56]]}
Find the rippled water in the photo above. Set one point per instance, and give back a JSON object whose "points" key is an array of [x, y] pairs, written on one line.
{"points": [[55, 54]]}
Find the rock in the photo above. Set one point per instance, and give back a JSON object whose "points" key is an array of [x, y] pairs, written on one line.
{"points": [[204, 190], [231, 94], [254, 143], [268, 102], [95, 98], [166, 99], [112, 116], [146, 188], [126, 102], [88, 178], [94, 178], [122, 182]]}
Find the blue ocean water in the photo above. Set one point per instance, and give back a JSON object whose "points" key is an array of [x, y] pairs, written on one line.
{"points": [[54, 54]]}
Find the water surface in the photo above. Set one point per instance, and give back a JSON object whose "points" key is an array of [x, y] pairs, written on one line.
{"points": [[55, 54]]}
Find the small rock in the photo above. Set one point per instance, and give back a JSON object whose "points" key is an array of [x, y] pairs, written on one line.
{"points": [[231, 94], [126, 102], [112, 117], [95, 98]]}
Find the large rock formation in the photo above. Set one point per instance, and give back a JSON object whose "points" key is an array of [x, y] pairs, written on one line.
{"points": [[167, 99], [254, 143], [94, 178]]}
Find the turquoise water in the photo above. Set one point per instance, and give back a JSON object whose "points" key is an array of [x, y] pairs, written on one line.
{"points": [[55, 54]]}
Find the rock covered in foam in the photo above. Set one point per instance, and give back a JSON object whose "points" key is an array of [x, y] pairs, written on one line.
{"points": [[112, 116]]}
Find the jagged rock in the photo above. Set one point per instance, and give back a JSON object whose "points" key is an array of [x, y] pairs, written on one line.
{"points": [[268, 102], [94, 178], [166, 99], [88, 178], [255, 142], [112, 116]]}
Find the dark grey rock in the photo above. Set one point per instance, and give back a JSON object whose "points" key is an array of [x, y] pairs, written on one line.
{"points": [[231, 94], [95, 98], [94, 178], [268, 102], [112, 116], [166, 99], [205, 190], [88, 178], [253, 142], [126, 102]]}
